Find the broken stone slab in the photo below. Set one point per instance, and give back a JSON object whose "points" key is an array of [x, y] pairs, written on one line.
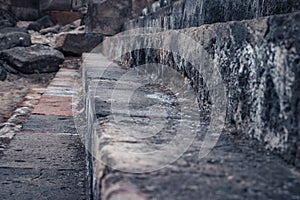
{"points": [[77, 42], [33, 59], [13, 37], [38, 38]]}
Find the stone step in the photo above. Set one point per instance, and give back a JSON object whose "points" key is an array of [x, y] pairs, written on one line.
{"points": [[194, 13], [247, 69], [154, 155]]}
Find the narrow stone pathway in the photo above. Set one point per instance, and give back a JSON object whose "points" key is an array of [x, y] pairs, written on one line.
{"points": [[46, 159]]}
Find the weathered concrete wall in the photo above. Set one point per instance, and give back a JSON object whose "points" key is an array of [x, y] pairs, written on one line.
{"points": [[193, 13], [259, 61], [107, 17]]}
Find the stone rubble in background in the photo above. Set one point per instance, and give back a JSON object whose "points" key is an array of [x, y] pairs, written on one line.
{"points": [[13, 37], [42, 23], [46, 42], [33, 59], [77, 41], [108, 17]]}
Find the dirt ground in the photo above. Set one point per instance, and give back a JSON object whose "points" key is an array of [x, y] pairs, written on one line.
{"points": [[14, 89]]}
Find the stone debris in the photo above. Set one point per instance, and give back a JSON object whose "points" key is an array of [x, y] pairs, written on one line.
{"points": [[45, 36], [33, 59], [13, 37], [42, 23], [108, 17], [38, 38]]}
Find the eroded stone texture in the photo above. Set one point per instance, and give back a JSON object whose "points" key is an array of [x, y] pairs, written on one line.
{"points": [[33, 59], [193, 13], [258, 61]]}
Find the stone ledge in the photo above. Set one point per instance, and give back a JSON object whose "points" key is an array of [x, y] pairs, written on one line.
{"points": [[194, 13], [259, 64]]}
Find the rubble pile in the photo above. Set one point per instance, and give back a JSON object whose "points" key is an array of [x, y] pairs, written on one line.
{"points": [[34, 47]]}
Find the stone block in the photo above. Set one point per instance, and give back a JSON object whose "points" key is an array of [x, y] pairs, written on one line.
{"points": [[33, 59], [13, 37], [77, 42]]}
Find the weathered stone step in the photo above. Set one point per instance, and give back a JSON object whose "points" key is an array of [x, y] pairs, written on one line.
{"points": [[122, 147], [256, 61], [194, 13]]}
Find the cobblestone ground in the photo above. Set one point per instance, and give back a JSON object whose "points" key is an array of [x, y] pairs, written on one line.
{"points": [[46, 159]]}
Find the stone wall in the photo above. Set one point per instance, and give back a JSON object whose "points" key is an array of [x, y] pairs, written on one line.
{"points": [[259, 62], [193, 13]]}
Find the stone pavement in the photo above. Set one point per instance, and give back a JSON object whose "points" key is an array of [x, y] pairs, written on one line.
{"points": [[123, 135], [45, 159]]}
